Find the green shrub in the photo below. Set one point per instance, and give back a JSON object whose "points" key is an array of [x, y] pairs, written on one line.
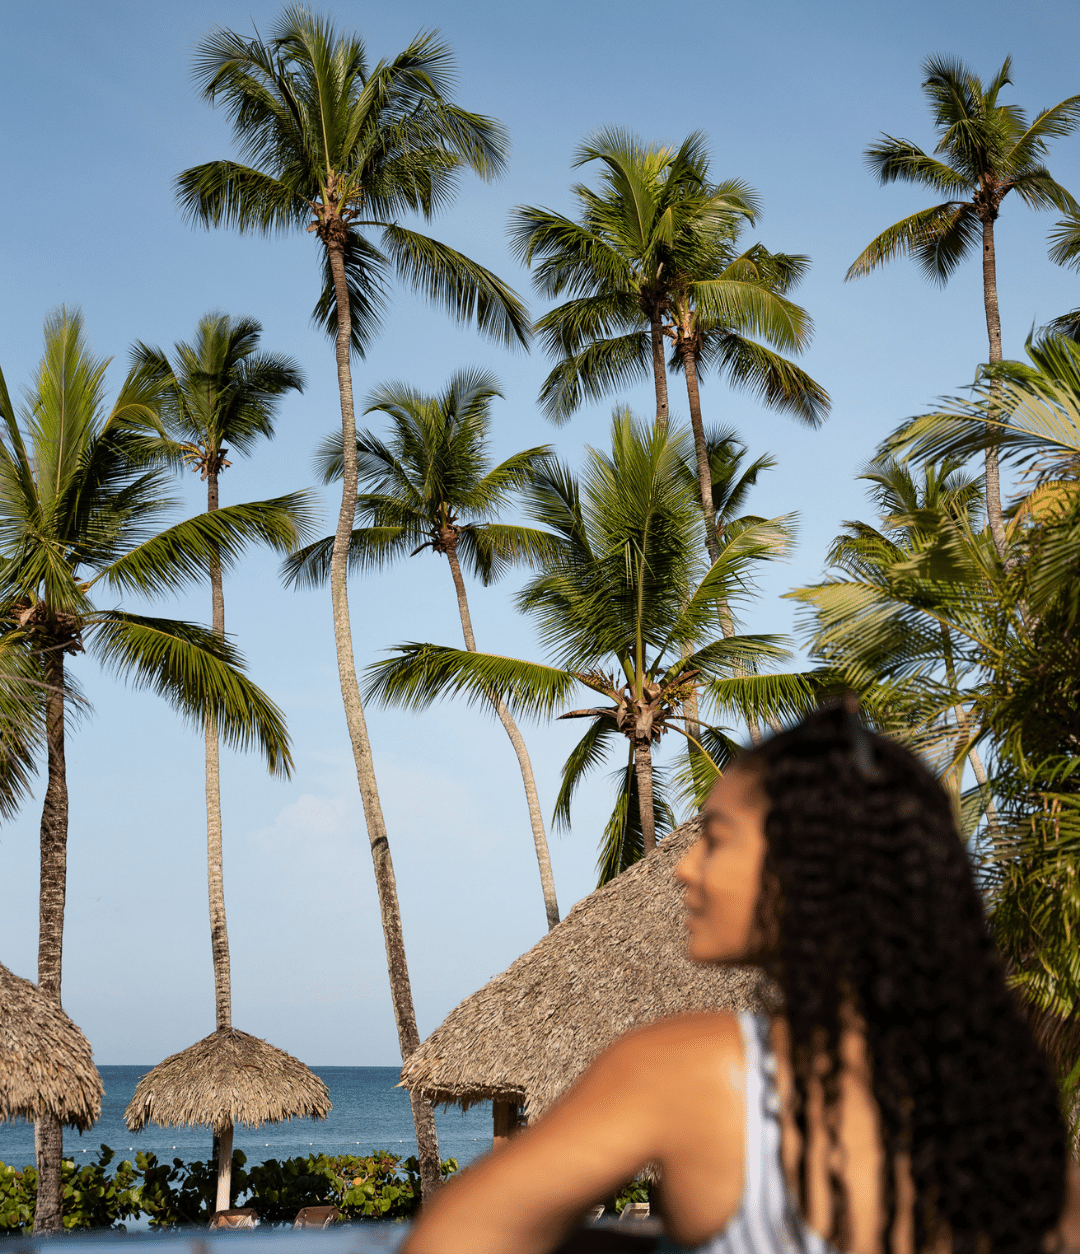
{"points": [[378, 1186], [92, 1198]]}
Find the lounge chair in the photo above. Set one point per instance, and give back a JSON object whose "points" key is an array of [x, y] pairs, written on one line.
{"points": [[317, 1217]]}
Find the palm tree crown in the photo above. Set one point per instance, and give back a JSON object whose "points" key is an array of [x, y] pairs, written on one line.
{"points": [[340, 148], [902, 621], [220, 392], [79, 506], [985, 151], [625, 607], [430, 484], [617, 263]]}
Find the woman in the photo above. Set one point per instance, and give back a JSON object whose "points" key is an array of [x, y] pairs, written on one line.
{"points": [[895, 1104]]}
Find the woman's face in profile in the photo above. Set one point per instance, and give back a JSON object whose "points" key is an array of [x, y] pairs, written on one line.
{"points": [[721, 872]]}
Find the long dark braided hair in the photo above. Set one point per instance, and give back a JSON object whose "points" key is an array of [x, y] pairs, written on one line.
{"points": [[874, 913]]}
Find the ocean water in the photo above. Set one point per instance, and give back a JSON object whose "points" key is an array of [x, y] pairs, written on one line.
{"points": [[369, 1113]]}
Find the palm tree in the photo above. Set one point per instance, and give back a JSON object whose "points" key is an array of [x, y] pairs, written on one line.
{"points": [[901, 622], [655, 256], [341, 150], [432, 486], [616, 262], [624, 604], [78, 507], [220, 395], [985, 151]]}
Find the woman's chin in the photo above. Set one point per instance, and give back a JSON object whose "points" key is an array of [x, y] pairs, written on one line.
{"points": [[697, 950], [700, 949]]}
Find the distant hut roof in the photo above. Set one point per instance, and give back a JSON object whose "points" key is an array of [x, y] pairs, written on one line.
{"points": [[616, 961], [227, 1078], [46, 1064]]}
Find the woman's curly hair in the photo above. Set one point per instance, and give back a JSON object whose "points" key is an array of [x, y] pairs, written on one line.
{"points": [[874, 910]]}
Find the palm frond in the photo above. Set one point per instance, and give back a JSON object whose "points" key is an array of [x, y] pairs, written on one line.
{"points": [[419, 674], [366, 271], [592, 373], [184, 553], [622, 843], [588, 753], [938, 238], [199, 674], [466, 290]]}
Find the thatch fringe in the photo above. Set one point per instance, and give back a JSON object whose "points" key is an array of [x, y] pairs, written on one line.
{"points": [[615, 962], [46, 1064], [225, 1079]]}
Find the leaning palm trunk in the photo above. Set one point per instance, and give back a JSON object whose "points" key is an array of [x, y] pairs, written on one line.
{"points": [[400, 989], [708, 508], [701, 449], [536, 818], [993, 334], [215, 872], [48, 1131]]}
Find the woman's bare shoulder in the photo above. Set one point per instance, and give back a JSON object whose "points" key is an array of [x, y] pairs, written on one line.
{"points": [[675, 1047]]}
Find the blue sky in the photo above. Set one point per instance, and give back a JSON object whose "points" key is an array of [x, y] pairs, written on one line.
{"points": [[100, 116]]}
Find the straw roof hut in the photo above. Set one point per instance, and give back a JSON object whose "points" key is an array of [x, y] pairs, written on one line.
{"points": [[227, 1078], [615, 962], [46, 1064]]}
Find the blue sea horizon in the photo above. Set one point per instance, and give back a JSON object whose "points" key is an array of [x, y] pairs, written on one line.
{"points": [[368, 1113]]}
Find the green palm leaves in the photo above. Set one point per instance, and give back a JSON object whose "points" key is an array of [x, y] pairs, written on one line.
{"points": [[433, 488], [430, 484], [653, 248], [627, 612], [339, 148], [903, 621], [79, 506], [985, 151], [218, 390]]}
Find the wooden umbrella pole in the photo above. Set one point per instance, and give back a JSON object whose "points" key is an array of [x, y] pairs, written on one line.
{"points": [[224, 1171]]}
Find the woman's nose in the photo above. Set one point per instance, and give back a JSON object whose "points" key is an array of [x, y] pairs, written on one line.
{"points": [[684, 871]]}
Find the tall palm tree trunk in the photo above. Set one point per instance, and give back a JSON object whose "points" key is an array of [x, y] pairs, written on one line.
{"points": [[219, 933], [993, 334], [656, 336], [693, 396], [400, 988], [48, 1131], [643, 769], [215, 871], [708, 508], [536, 818]]}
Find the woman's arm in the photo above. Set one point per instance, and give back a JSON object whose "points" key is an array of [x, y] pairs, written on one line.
{"points": [[641, 1101]]}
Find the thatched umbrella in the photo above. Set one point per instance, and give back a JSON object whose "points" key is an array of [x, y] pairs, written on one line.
{"points": [[46, 1064], [228, 1077], [616, 961]]}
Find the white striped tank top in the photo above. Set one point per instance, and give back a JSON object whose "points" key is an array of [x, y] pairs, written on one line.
{"points": [[767, 1222]]}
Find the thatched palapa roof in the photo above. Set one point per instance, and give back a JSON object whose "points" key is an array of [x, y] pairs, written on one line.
{"points": [[227, 1078], [615, 962], [46, 1064]]}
